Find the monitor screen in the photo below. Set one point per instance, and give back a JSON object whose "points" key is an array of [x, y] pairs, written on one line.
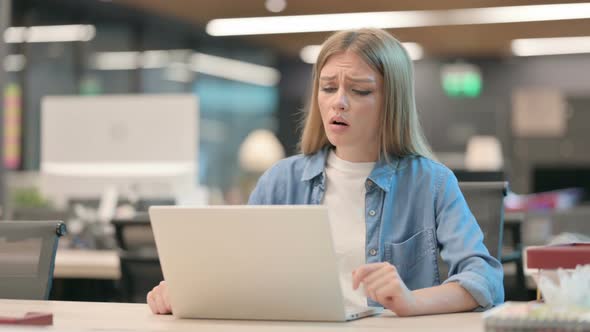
{"points": [[547, 178], [145, 143]]}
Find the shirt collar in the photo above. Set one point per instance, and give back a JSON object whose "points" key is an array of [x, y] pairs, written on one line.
{"points": [[316, 163], [381, 175]]}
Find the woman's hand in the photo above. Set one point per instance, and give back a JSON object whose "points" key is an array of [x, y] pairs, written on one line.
{"points": [[159, 300], [383, 284]]}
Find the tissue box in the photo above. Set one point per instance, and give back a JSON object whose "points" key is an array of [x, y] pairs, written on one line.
{"points": [[563, 274], [565, 256]]}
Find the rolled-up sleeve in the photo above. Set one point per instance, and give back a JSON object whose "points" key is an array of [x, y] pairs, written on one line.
{"points": [[462, 247]]}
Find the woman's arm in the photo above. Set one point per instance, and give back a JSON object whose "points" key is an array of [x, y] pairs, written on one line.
{"points": [[383, 284], [449, 297], [461, 246]]}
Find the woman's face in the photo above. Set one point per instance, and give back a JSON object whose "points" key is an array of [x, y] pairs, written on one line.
{"points": [[350, 98]]}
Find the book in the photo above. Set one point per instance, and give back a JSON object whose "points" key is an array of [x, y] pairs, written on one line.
{"points": [[536, 316], [566, 256], [29, 318]]}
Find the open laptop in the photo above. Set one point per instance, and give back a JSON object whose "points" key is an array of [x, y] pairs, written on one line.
{"points": [[251, 262]]}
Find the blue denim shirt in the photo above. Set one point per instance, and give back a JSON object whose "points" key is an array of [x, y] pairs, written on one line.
{"points": [[414, 209]]}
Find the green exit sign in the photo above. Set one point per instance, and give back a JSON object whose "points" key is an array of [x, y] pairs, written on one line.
{"points": [[461, 80]]}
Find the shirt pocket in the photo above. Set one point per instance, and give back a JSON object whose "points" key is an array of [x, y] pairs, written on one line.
{"points": [[415, 259]]}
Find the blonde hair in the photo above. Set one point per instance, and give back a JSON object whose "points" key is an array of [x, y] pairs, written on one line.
{"points": [[400, 133]]}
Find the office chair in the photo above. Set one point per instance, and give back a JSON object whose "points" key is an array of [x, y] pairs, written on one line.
{"points": [[27, 256], [486, 202], [140, 266]]}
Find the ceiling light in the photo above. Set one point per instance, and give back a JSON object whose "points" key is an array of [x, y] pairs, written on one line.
{"points": [[133, 60], [415, 50], [235, 70], [49, 33], [176, 61], [179, 72], [275, 6], [15, 35], [154, 59], [115, 60], [398, 19], [14, 62], [310, 53], [550, 46]]}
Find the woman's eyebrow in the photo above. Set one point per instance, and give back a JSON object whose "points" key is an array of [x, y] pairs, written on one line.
{"points": [[354, 79], [362, 79]]}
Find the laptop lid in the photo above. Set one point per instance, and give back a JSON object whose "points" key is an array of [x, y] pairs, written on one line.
{"points": [[249, 262]]}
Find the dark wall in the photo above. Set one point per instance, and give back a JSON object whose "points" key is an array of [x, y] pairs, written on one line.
{"points": [[293, 93], [449, 122]]}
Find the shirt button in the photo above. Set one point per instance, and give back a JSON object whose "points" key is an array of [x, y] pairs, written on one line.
{"points": [[373, 252], [372, 213]]}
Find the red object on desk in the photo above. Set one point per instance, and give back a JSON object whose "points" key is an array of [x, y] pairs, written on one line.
{"points": [[565, 256], [30, 318]]}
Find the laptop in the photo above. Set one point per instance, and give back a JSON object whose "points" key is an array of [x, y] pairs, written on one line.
{"points": [[251, 262]]}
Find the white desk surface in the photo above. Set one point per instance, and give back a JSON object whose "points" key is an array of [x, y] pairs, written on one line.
{"points": [[92, 316], [87, 264]]}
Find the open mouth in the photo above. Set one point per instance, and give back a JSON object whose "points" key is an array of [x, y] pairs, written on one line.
{"points": [[339, 122]]}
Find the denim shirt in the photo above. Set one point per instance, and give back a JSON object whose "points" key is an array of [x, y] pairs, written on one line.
{"points": [[414, 210]]}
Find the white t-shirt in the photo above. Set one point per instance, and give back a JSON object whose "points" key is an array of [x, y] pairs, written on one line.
{"points": [[345, 199]]}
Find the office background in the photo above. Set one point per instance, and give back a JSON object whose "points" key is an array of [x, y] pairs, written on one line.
{"points": [[153, 47], [231, 109]]}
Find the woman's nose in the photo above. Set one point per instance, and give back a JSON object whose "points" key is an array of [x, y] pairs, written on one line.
{"points": [[341, 102]]}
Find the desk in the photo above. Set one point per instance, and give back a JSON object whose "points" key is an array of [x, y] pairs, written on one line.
{"points": [[87, 264], [99, 264], [81, 316], [86, 275]]}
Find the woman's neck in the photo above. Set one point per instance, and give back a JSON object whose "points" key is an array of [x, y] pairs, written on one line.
{"points": [[356, 155]]}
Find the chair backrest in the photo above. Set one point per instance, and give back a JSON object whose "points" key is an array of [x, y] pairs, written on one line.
{"points": [[486, 201], [27, 256]]}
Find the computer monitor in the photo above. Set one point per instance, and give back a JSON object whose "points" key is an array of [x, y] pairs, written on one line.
{"points": [[464, 175], [147, 144], [549, 177]]}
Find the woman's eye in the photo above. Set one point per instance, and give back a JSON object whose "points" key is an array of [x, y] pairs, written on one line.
{"points": [[329, 90], [362, 92]]}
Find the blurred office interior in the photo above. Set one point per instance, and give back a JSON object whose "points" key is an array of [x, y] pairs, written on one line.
{"points": [[502, 88]]}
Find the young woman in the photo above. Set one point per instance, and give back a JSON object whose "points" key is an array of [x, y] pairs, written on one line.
{"points": [[392, 207]]}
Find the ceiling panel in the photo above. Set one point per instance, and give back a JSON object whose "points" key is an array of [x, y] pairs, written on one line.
{"points": [[448, 41]]}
